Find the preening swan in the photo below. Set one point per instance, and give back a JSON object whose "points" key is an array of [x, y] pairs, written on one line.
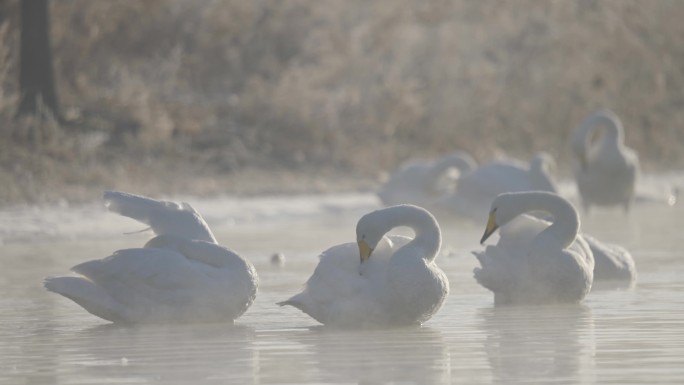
{"points": [[181, 275], [535, 262], [380, 280], [606, 170], [475, 191], [418, 182]]}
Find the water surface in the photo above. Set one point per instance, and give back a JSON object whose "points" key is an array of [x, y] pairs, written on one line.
{"points": [[615, 336]]}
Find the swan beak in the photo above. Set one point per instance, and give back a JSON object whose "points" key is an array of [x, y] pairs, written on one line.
{"points": [[491, 227], [364, 250]]}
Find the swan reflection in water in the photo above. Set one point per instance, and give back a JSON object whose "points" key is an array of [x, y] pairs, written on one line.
{"points": [[525, 344], [169, 354], [405, 355]]}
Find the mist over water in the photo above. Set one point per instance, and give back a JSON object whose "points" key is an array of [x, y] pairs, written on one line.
{"points": [[629, 335]]}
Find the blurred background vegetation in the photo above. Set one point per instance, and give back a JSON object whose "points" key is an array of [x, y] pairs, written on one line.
{"points": [[203, 97]]}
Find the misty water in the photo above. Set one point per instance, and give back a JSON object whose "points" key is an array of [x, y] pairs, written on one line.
{"points": [[616, 335]]}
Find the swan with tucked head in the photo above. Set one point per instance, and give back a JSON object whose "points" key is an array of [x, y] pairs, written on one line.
{"points": [[381, 280], [534, 262], [420, 182], [181, 275], [475, 191], [606, 172]]}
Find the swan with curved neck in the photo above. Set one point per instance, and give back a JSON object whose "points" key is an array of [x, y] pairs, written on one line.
{"points": [[420, 182], [458, 160], [535, 262], [542, 168], [607, 170], [373, 226], [380, 280]]}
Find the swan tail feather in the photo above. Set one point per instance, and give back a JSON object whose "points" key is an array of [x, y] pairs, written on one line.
{"points": [[87, 294], [490, 275], [292, 302]]}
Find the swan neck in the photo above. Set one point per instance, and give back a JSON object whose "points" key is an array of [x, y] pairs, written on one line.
{"points": [[566, 221], [464, 163], [427, 232], [612, 124]]}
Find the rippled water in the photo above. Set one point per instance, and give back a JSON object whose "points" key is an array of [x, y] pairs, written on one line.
{"points": [[618, 336]]}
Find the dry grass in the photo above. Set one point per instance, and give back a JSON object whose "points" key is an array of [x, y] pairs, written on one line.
{"points": [[264, 96]]}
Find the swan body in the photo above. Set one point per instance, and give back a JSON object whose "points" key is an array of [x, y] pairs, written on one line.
{"points": [[475, 191], [606, 171], [535, 262], [181, 275], [381, 280], [612, 262], [418, 182]]}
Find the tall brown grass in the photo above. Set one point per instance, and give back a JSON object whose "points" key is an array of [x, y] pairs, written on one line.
{"points": [[160, 92]]}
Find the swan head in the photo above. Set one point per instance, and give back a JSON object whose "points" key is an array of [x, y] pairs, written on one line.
{"points": [[502, 211], [492, 226], [369, 232]]}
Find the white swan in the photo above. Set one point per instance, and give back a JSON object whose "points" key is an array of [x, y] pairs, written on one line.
{"points": [[475, 191], [535, 262], [418, 182], [606, 172], [182, 275], [381, 280], [613, 263]]}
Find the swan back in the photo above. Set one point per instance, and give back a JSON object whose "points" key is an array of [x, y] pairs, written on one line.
{"points": [[612, 262]]}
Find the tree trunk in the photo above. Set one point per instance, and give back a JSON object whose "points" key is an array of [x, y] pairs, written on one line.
{"points": [[36, 79]]}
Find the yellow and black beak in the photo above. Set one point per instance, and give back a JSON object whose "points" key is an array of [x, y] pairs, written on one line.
{"points": [[364, 250], [491, 227]]}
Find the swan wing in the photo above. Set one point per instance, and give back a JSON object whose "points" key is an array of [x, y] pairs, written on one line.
{"points": [[164, 217], [501, 271], [612, 262], [157, 285], [336, 291], [342, 291], [148, 272], [131, 284], [495, 178]]}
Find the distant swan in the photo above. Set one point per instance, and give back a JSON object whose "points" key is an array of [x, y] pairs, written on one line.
{"points": [[380, 280], [534, 262], [181, 275], [418, 182], [475, 191], [606, 170]]}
